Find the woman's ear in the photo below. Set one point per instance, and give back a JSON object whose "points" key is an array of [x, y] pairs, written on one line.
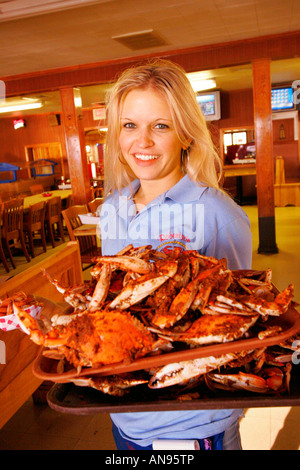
{"points": [[188, 144]]}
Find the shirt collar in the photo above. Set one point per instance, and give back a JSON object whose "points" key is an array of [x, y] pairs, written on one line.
{"points": [[129, 191], [183, 191]]}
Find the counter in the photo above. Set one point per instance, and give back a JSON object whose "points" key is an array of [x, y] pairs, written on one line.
{"points": [[17, 381]]}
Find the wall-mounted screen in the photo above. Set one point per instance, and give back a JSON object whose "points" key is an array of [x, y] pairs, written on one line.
{"points": [[282, 99], [210, 104]]}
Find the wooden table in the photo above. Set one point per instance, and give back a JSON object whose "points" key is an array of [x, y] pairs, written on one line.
{"points": [[30, 200], [85, 230], [238, 171]]}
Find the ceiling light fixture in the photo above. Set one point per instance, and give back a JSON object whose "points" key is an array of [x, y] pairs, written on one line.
{"points": [[20, 107], [201, 85], [201, 81]]}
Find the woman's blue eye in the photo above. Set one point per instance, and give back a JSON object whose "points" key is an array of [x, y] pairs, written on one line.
{"points": [[129, 125], [162, 126]]}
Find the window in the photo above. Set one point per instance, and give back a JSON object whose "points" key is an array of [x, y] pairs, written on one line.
{"points": [[234, 138]]}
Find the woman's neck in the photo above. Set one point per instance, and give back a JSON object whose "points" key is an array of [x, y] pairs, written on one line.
{"points": [[150, 190]]}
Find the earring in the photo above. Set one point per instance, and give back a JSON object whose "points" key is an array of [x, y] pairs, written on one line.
{"points": [[185, 155]]}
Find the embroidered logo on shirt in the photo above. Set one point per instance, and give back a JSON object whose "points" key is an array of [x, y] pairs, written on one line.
{"points": [[173, 236]]}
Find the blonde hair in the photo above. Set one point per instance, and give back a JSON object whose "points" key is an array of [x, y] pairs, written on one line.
{"points": [[170, 80]]}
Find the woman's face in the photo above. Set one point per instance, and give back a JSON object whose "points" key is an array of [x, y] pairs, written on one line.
{"points": [[148, 140]]}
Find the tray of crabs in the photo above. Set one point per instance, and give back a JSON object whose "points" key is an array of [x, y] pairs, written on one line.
{"points": [[173, 318]]}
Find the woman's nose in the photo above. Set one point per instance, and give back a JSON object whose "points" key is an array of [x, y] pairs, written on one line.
{"points": [[145, 138]]}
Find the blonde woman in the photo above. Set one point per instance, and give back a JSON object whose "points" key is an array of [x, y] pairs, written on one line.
{"points": [[161, 177], [199, 159]]}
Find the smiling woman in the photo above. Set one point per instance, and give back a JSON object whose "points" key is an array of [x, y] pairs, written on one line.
{"points": [[161, 171], [176, 113]]}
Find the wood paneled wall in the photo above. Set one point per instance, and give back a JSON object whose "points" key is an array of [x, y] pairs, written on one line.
{"points": [[275, 47], [37, 131], [237, 109]]}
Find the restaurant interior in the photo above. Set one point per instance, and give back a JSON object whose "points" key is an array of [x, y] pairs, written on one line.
{"points": [[58, 63]]}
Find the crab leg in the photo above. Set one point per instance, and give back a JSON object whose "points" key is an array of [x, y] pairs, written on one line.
{"points": [[129, 263], [175, 373], [101, 289], [240, 381], [125, 250], [183, 301], [28, 324], [31, 327], [112, 385], [277, 307], [201, 297], [227, 304], [136, 290], [179, 306], [72, 296], [58, 319], [140, 251]]}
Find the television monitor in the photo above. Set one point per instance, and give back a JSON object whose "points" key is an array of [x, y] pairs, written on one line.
{"points": [[282, 99], [210, 104]]}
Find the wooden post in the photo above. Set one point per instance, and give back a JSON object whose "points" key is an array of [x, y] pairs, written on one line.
{"points": [[264, 155], [75, 144]]}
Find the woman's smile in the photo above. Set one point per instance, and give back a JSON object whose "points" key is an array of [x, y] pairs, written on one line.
{"points": [[143, 157], [145, 160]]}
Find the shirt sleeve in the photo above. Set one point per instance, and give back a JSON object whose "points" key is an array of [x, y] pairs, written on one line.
{"points": [[234, 242]]}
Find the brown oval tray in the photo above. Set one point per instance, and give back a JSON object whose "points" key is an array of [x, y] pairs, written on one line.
{"points": [[71, 399], [46, 369]]}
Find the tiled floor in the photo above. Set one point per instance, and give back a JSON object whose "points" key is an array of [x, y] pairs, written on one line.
{"points": [[278, 428]]}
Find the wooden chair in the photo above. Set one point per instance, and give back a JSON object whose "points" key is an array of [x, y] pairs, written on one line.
{"points": [[68, 201], [87, 244], [2, 254], [12, 228], [36, 189], [94, 204], [53, 219], [97, 191], [34, 221]]}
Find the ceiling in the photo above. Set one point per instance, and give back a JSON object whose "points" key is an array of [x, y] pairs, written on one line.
{"points": [[45, 34]]}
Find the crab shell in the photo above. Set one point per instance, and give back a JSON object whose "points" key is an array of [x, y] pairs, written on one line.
{"points": [[217, 329], [93, 339]]}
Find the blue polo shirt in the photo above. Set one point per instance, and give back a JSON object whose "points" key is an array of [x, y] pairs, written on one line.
{"points": [[190, 217]]}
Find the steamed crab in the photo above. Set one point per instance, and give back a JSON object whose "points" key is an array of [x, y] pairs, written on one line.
{"points": [[140, 301], [93, 339]]}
